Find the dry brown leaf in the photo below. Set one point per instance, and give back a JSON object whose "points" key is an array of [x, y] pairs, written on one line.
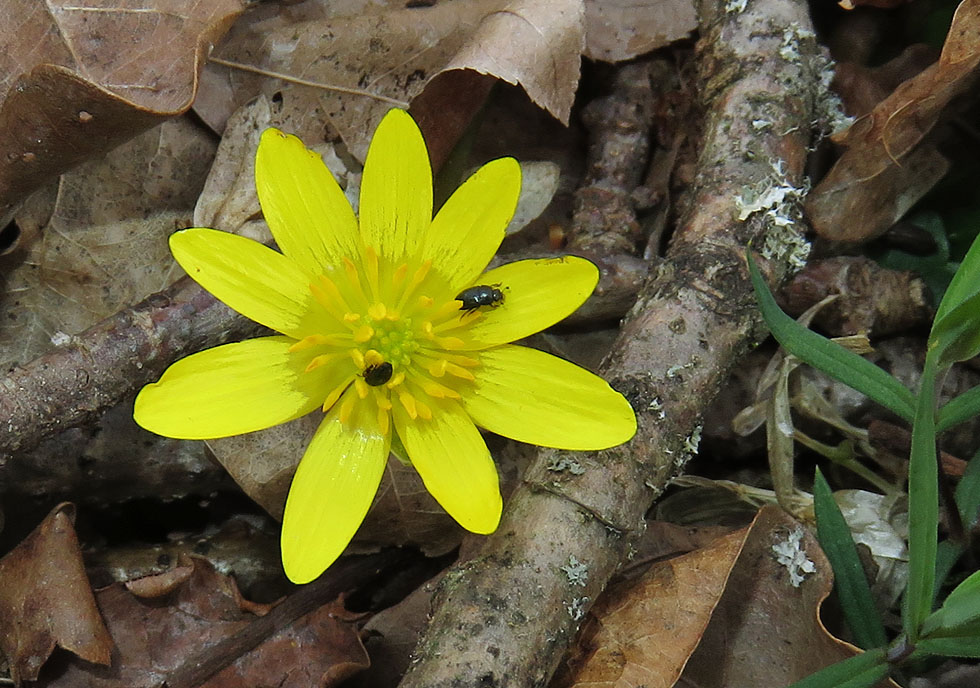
{"points": [[162, 622], [77, 80], [643, 632], [387, 56], [763, 630], [103, 243], [617, 30], [884, 170], [46, 601]]}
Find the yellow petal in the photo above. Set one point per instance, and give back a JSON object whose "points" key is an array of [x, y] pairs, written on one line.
{"points": [[307, 212], [454, 463], [254, 280], [396, 189], [534, 397], [233, 389], [332, 490], [537, 294], [468, 229]]}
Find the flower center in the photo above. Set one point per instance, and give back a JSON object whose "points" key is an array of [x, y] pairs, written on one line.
{"points": [[393, 332]]}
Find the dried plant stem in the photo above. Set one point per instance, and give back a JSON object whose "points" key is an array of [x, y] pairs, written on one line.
{"points": [[506, 616]]}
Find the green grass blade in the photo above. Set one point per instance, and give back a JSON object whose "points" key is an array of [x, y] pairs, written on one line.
{"points": [[947, 554], [923, 507], [828, 356], [957, 646], [852, 586], [838, 675], [968, 493], [957, 336], [963, 285], [959, 409]]}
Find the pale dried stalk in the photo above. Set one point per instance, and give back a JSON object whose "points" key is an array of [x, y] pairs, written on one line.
{"points": [[506, 617]]}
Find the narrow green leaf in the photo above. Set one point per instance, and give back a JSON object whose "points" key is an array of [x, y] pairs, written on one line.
{"points": [[837, 675], [956, 646], [828, 356], [959, 409], [923, 507], [961, 607], [956, 337], [852, 585], [964, 283], [968, 493], [947, 554]]}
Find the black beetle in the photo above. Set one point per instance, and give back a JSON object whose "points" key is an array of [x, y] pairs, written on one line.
{"points": [[480, 295], [377, 374]]}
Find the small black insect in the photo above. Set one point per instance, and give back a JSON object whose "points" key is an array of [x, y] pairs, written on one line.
{"points": [[480, 295], [377, 374]]}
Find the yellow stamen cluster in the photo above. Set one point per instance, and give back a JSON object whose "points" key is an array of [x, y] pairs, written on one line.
{"points": [[402, 315]]}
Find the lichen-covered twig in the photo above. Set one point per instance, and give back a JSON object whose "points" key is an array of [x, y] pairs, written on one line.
{"points": [[103, 365], [506, 616]]}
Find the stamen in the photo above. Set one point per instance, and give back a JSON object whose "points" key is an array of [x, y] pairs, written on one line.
{"points": [[384, 422], [459, 371], [346, 407], [335, 394], [438, 368], [437, 391], [320, 360], [465, 361], [309, 342], [362, 387], [377, 311], [364, 333], [373, 357], [424, 411], [399, 275], [330, 287], [334, 308], [426, 301], [396, 380], [408, 401], [351, 317], [451, 343], [358, 358], [416, 280], [354, 278], [384, 402]]}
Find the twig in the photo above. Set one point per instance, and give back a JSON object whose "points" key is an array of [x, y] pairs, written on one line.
{"points": [[506, 617], [77, 382], [306, 82]]}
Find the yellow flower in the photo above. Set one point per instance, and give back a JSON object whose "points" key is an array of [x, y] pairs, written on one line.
{"points": [[371, 331]]}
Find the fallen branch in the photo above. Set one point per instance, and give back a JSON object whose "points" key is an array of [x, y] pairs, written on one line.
{"points": [[506, 616], [77, 382]]}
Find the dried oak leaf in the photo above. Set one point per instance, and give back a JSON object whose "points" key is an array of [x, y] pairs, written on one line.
{"points": [[46, 601], [354, 67], [164, 625], [77, 80], [617, 30], [884, 170], [709, 618], [101, 243]]}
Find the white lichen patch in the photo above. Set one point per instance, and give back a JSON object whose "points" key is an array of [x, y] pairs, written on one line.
{"points": [[577, 572], [736, 6], [674, 370], [693, 441], [576, 609], [831, 117], [781, 206], [565, 463], [792, 35], [790, 554]]}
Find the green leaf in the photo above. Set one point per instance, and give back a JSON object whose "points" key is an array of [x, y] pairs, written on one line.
{"points": [[961, 607], [864, 665], [959, 409], [947, 554], [957, 646], [828, 356], [956, 336], [852, 585], [964, 284], [923, 507], [968, 493]]}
